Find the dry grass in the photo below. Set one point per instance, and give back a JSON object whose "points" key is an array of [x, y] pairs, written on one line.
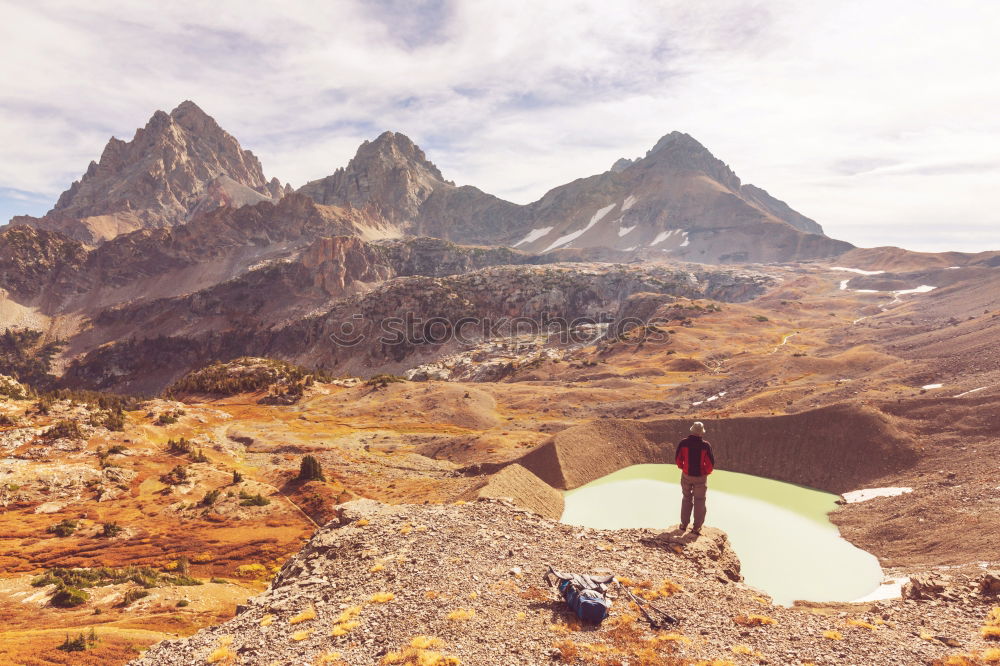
{"points": [[753, 620], [862, 624], [833, 635], [222, 654], [422, 651], [346, 622], [267, 620], [330, 659], [461, 614], [302, 634], [377, 568], [991, 628], [382, 597], [304, 616]]}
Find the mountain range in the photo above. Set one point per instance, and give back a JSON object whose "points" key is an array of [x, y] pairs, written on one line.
{"points": [[677, 201]]}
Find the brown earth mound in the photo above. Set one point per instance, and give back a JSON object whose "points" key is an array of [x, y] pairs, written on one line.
{"points": [[835, 448], [524, 489]]}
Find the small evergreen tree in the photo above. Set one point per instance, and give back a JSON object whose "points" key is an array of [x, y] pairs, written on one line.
{"points": [[310, 470]]}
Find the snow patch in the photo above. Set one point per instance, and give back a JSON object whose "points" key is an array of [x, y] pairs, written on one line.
{"points": [[628, 203], [843, 284], [622, 231], [716, 396], [890, 589], [975, 390], [629, 249], [598, 216], [928, 387], [686, 240], [533, 235], [922, 289], [866, 494], [856, 270], [662, 236]]}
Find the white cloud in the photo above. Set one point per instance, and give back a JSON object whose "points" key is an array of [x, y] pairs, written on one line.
{"points": [[875, 118]]}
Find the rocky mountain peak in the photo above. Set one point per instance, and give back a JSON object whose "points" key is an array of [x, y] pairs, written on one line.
{"points": [[390, 173], [158, 178], [678, 150], [398, 149]]}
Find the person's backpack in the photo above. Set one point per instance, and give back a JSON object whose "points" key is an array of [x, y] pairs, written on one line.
{"points": [[585, 595]]}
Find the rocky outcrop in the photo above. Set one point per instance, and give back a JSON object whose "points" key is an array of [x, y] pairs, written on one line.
{"points": [[177, 164], [465, 581]]}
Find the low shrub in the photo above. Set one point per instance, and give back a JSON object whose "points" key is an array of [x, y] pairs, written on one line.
{"points": [[383, 380], [246, 499], [133, 594], [64, 527], [69, 597], [111, 529], [63, 430], [210, 497]]}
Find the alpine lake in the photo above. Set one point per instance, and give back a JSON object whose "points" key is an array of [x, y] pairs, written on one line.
{"points": [[786, 543]]}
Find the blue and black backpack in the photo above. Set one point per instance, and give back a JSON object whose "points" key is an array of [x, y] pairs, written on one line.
{"points": [[586, 595]]}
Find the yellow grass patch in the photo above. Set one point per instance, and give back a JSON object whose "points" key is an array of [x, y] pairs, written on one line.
{"points": [[222, 654], [382, 597], [744, 649], [461, 614], [862, 624], [422, 651], [304, 616], [377, 568], [254, 570], [833, 635], [991, 629], [753, 620], [302, 634], [329, 659], [361, 523], [267, 621]]}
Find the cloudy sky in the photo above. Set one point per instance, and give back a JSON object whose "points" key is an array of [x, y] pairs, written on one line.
{"points": [[877, 118]]}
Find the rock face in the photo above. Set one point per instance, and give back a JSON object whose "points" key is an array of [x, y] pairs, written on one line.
{"points": [[678, 201], [279, 311], [179, 163]]}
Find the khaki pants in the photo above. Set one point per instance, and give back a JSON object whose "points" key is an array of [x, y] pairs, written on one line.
{"points": [[693, 489]]}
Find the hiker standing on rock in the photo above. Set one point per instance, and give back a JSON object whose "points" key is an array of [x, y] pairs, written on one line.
{"points": [[695, 458]]}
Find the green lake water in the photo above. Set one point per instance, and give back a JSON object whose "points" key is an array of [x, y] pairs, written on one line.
{"points": [[786, 544]]}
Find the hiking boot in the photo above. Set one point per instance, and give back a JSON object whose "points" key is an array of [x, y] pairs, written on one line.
{"points": [[696, 531], [682, 528]]}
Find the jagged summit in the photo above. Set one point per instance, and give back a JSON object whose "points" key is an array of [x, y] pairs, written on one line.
{"points": [[159, 178], [391, 172]]}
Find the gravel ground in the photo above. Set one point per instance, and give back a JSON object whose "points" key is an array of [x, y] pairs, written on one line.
{"points": [[419, 584]]}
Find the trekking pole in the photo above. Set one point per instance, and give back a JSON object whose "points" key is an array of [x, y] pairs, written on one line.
{"points": [[667, 618]]}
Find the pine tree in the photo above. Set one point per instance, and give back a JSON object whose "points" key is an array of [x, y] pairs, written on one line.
{"points": [[310, 470]]}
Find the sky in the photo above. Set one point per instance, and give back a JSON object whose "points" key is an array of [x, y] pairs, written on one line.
{"points": [[878, 119]]}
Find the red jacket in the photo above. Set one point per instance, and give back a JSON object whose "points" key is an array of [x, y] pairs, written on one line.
{"points": [[694, 456]]}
